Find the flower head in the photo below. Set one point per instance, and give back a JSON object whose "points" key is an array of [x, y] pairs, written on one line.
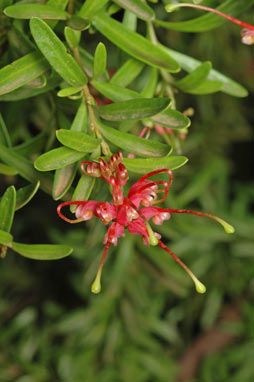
{"points": [[247, 31], [132, 212]]}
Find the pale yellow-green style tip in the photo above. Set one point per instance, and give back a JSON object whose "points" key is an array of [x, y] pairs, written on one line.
{"points": [[200, 288], [171, 7], [96, 285], [153, 240], [227, 227]]}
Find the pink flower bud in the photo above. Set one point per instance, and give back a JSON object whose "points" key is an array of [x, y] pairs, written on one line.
{"points": [[86, 212], [105, 170], [106, 212]]}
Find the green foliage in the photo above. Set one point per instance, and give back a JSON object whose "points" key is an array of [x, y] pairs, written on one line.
{"points": [[80, 84]]}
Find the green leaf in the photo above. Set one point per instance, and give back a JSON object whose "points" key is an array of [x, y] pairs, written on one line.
{"points": [[78, 23], [207, 87], [57, 158], [133, 109], [127, 72], [7, 170], [7, 208], [66, 92], [63, 180], [77, 140], [169, 118], [4, 134], [114, 92], [72, 37], [25, 194], [91, 7], [59, 4], [22, 71], [42, 251], [25, 168], [80, 122], [83, 190], [133, 43], [55, 52], [172, 118], [195, 78], [31, 146], [100, 60], [133, 144], [208, 21], [88, 62], [229, 86], [24, 92], [143, 166], [27, 11], [151, 76], [5, 238], [142, 10]]}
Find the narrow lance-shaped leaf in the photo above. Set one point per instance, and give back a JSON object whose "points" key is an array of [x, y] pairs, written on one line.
{"points": [[91, 7], [80, 121], [25, 194], [7, 170], [4, 134], [72, 37], [63, 179], [66, 92], [24, 92], [195, 78], [127, 72], [143, 166], [78, 24], [207, 87], [142, 10], [100, 61], [133, 109], [172, 119], [25, 168], [133, 43], [22, 71], [77, 140], [151, 75], [57, 158], [133, 144], [27, 11], [42, 251], [83, 189], [55, 52], [59, 4], [7, 208], [5, 239], [114, 92], [229, 86], [208, 21]]}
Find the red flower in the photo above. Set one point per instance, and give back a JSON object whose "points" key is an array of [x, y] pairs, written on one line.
{"points": [[247, 32], [132, 212]]}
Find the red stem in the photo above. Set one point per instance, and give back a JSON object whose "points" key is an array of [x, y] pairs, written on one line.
{"points": [[232, 19]]}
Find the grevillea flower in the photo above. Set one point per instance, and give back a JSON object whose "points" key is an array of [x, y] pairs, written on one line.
{"points": [[247, 32], [132, 212]]}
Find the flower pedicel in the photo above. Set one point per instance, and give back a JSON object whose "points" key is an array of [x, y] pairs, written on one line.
{"points": [[247, 32], [132, 212]]}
